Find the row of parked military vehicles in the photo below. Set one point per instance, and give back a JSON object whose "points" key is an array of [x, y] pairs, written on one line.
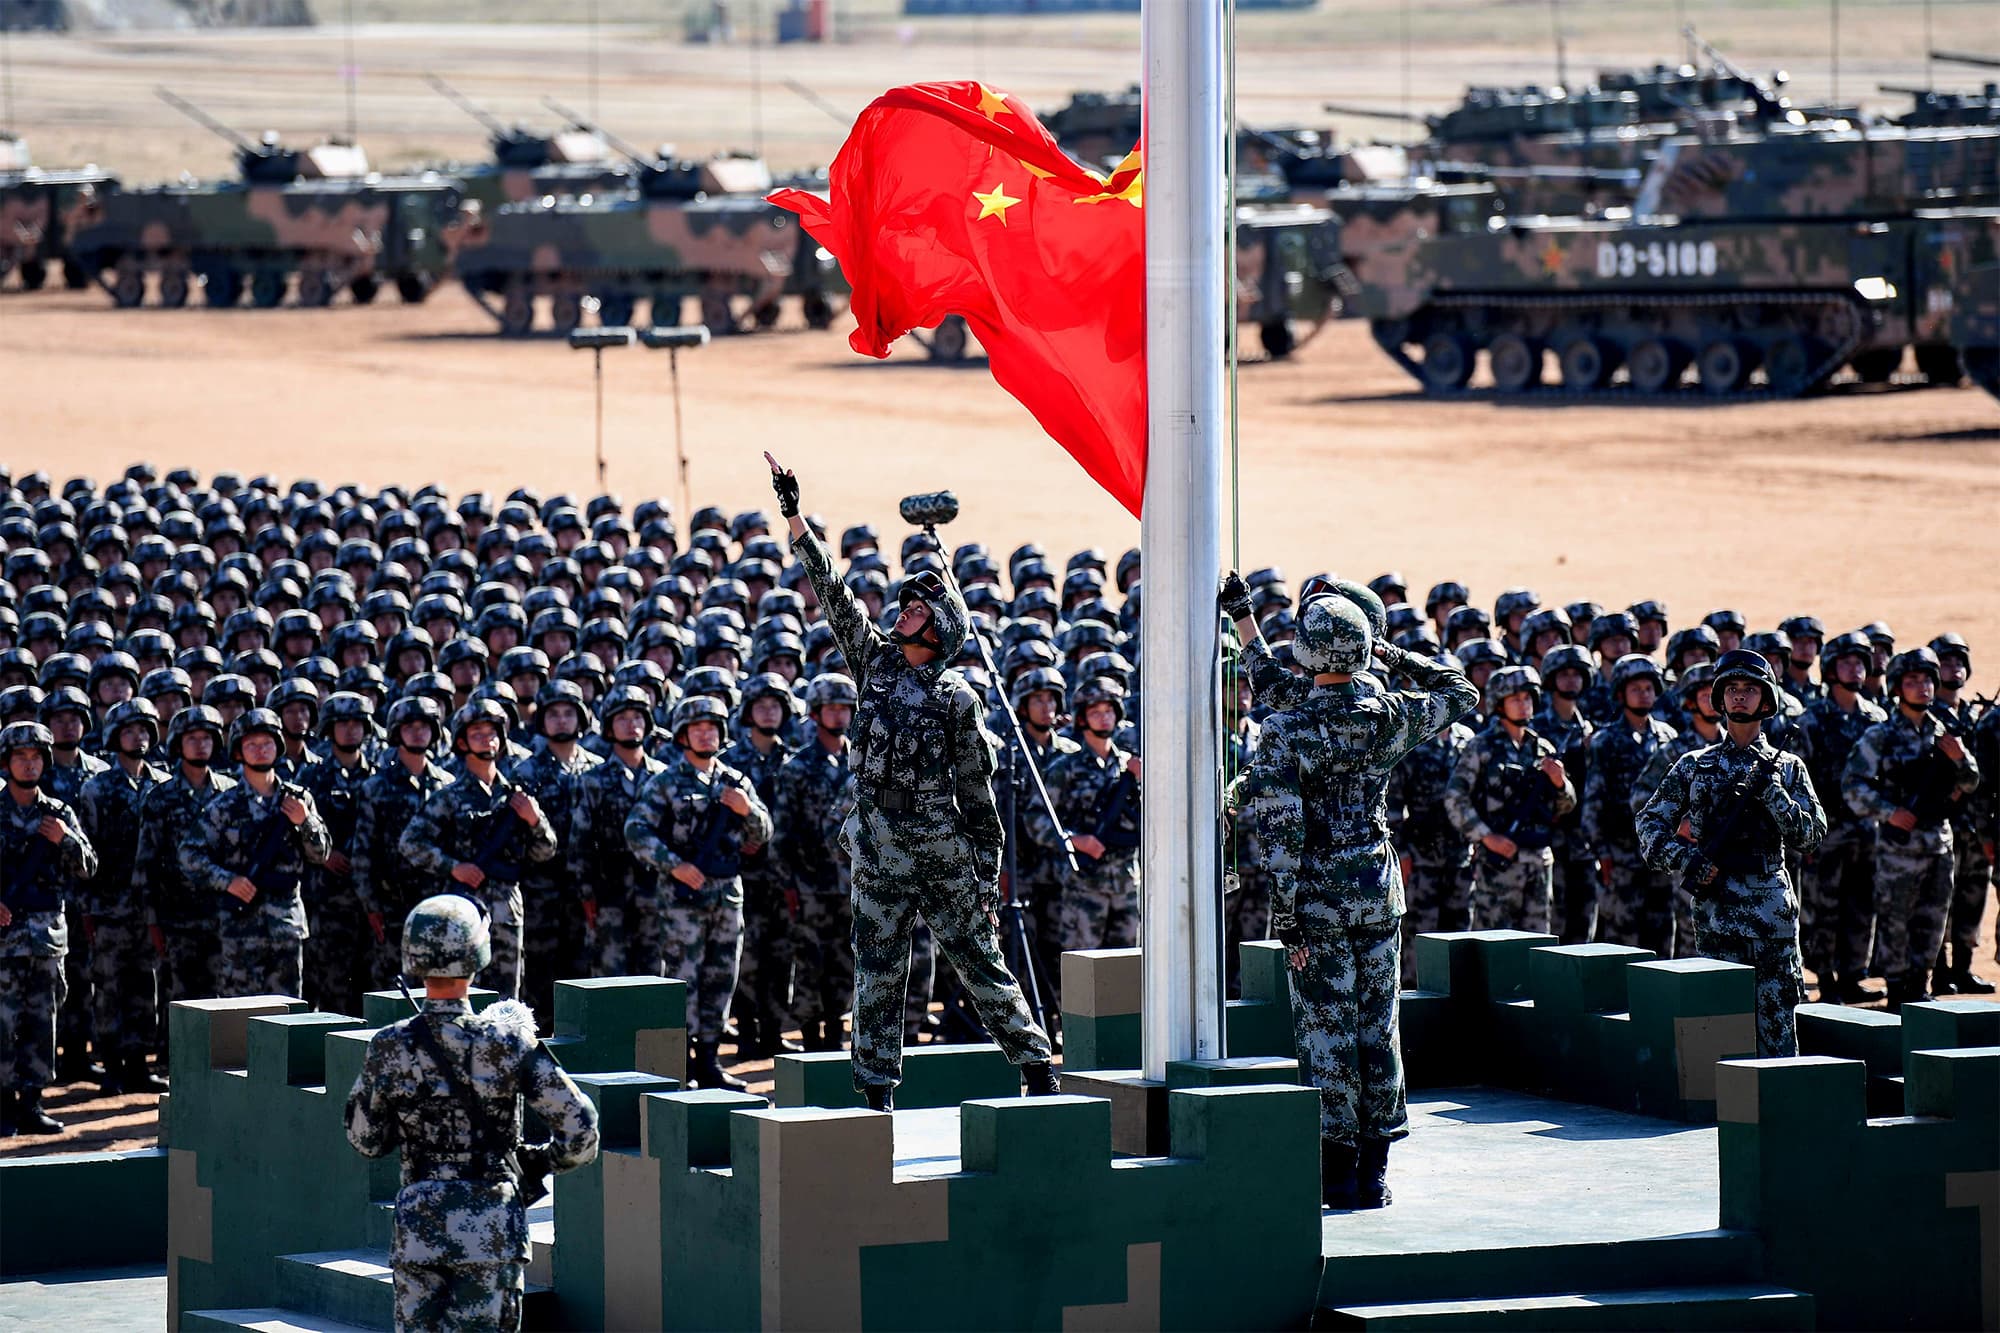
{"points": [[1679, 230]]}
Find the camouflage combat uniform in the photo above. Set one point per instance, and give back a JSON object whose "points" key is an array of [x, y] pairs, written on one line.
{"points": [[123, 963], [262, 940], [34, 883], [1838, 929], [1896, 766], [1100, 902], [1497, 787], [602, 870], [189, 917], [1319, 779], [701, 931], [1649, 780], [461, 1238], [1972, 872], [925, 836], [1246, 913], [1438, 894], [764, 981], [1986, 801], [1637, 907], [66, 782], [553, 927], [1037, 876], [813, 789], [387, 885], [458, 824], [339, 948], [1574, 914], [1749, 914]]}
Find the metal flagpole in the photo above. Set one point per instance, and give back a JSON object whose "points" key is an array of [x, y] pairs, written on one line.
{"points": [[1181, 528]]}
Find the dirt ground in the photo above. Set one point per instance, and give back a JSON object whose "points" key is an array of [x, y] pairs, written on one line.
{"points": [[1858, 505]]}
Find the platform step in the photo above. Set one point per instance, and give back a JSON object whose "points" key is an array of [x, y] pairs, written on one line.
{"points": [[1662, 1308], [267, 1320], [1696, 1258], [356, 1288]]}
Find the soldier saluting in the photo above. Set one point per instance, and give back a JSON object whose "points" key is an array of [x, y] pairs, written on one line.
{"points": [[1722, 822], [925, 835]]}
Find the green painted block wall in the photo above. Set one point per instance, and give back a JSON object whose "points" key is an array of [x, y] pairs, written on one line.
{"points": [[82, 1210]]}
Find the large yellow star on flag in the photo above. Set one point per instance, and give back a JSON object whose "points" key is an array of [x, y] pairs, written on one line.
{"points": [[994, 203], [1552, 258], [991, 104]]}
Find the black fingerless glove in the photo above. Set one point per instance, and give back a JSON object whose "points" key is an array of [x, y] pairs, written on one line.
{"points": [[786, 484], [1234, 599], [1288, 932]]}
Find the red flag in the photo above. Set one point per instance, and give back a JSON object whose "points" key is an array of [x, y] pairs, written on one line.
{"points": [[950, 198]]}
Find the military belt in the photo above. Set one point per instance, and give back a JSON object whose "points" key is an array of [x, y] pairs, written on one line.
{"points": [[456, 1166], [902, 801]]}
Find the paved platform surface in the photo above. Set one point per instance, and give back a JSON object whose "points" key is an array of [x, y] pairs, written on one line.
{"points": [[103, 1300], [1487, 1168]]}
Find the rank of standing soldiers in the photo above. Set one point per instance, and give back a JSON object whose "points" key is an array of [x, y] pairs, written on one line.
{"points": [[246, 704]]}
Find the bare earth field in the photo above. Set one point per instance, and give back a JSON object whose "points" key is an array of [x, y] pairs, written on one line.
{"points": [[1858, 505]]}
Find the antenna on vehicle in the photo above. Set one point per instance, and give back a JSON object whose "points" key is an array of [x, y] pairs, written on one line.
{"points": [[1562, 56], [757, 77], [351, 72], [1833, 44]]}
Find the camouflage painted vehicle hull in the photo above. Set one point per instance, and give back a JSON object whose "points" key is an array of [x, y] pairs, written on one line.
{"points": [[40, 211], [217, 241], [490, 186], [1288, 270], [1975, 324], [737, 256]]}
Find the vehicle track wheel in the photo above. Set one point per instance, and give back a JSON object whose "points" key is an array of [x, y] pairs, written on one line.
{"points": [[951, 339], [1448, 359], [316, 288], [1276, 335], [1787, 363], [364, 289], [34, 274], [565, 312], [1587, 364], [614, 310], [1656, 366], [1940, 364], [666, 308], [75, 276], [517, 311], [267, 289], [221, 288], [718, 314], [1876, 365], [1724, 367], [128, 288], [767, 314], [175, 283], [414, 287], [1516, 363], [818, 311]]}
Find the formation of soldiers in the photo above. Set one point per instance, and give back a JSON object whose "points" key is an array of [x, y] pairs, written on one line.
{"points": [[253, 724]]}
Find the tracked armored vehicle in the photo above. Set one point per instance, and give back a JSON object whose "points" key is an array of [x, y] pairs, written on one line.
{"points": [[527, 166], [40, 210], [317, 216], [1763, 265]]}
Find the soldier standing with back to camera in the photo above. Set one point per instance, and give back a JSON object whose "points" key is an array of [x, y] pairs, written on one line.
{"points": [[43, 851], [446, 1086], [1337, 896], [925, 835], [1721, 822], [690, 825]]}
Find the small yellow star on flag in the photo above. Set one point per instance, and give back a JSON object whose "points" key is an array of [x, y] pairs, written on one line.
{"points": [[994, 203], [992, 105]]}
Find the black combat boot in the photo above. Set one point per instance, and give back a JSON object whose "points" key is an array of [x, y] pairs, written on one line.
{"points": [[30, 1118], [6, 1113], [1336, 1175], [708, 1071], [1829, 985], [1371, 1174], [1961, 976], [880, 1097], [1851, 991], [112, 1084], [138, 1078], [1041, 1079]]}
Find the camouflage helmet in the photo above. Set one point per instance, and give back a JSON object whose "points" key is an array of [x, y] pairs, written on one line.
{"points": [[764, 685], [832, 688], [1367, 599], [1333, 636], [1880, 635], [1635, 666], [446, 936], [133, 712], [1568, 657], [1610, 624], [1546, 620], [948, 613], [413, 708], [1693, 683], [253, 722], [1727, 620], [1469, 620], [1525, 600], [346, 706], [488, 709], [563, 692], [1481, 652], [1803, 627], [1447, 591], [1684, 641], [621, 699], [701, 708], [26, 736], [1851, 644], [1745, 664], [195, 717], [1099, 690], [1905, 663], [1512, 680], [1950, 644]]}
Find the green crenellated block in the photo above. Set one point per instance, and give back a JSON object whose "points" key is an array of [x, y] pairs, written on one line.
{"points": [[1235, 1072], [1939, 1025], [1477, 966], [291, 1049], [380, 1008], [1261, 1022], [82, 1210], [1138, 1107], [1687, 1014], [606, 1271], [1434, 1053], [1958, 1085], [1572, 1051], [1101, 994], [1869, 1035], [816, 1078], [709, 1224], [939, 1074], [622, 1023]]}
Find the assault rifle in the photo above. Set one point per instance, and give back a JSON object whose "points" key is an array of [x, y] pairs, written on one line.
{"points": [[1710, 848], [28, 861], [1113, 824], [717, 845], [527, 1163], [499, 832], [272, 833]]}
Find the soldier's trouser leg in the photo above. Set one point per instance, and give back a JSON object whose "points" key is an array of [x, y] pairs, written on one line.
{"points": [[1045, 928], [1913, 874], [1576, 885], [459, 1298], [770, 987], [1838, 910], [703, 943], [548, 954], [74, 1025], [259, 965], [923, 978], [31, 996], [1637, 909], [1972, 880], [339, 956], [1086, 911], [1514, 895], [1430, 885], [823, 985], [1344, 1020], [121, 976], [1781, 987], [505, 973], [1248, 916]]}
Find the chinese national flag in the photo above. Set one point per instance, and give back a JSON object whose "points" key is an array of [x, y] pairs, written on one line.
{"points": [[950, 198]]}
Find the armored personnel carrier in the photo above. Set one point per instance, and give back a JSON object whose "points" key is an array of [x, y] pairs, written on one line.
{"points": [[1763, 265], [40, 209], [317, 215], [690, 229], [527, 166]]}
